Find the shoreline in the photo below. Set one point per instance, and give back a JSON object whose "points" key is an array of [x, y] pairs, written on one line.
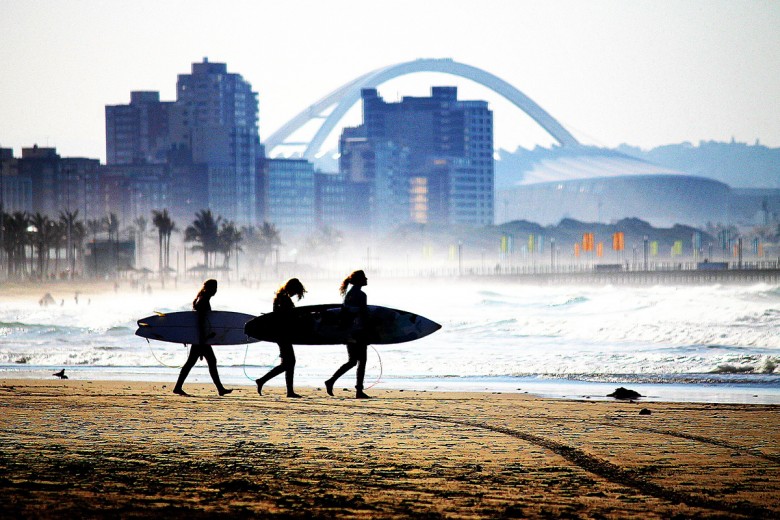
{"points": [[100, 448], [762, 389]]}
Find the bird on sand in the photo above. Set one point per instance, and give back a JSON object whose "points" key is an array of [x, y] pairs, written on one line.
{"points": [[61, 374]]}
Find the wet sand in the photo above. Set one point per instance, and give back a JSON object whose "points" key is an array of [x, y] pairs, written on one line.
{"points": [[130, 449]]}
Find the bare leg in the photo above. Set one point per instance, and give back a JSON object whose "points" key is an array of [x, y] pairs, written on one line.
{"points": [[211, 359], [340, 372], [361, 355], [275, 371], [185, 369]]}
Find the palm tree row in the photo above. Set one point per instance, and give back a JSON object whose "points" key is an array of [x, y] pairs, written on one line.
{"points": [[39, 236], [211, 235], [30, 241]]}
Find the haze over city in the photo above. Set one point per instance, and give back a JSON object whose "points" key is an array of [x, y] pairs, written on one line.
{"points": [[642, 73]]}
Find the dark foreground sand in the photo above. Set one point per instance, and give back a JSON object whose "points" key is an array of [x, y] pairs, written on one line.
{"points": [[75, 449]]}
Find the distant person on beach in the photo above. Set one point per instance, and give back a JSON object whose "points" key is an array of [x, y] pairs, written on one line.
{"points": [[202, 305], [355, 304], [283, 304]]}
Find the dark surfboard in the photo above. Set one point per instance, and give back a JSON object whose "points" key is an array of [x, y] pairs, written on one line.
{"points": [[333, 324]]}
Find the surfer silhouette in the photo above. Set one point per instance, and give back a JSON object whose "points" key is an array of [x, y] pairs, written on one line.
{"points": [[202, 305], [283, 304], [356, 304]]}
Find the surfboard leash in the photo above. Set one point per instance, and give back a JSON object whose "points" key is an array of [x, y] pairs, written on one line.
{"points": [[246, 353], [158, 359], [380, 369]]}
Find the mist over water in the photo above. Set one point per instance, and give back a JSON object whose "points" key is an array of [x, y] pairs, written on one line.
{"points": [[499, 335]]}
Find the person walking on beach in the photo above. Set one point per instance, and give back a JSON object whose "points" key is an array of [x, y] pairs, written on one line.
{"points": [[284, 305], [356, 304], [202, 305]]}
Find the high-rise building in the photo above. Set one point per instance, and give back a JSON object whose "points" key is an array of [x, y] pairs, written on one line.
{"points": [[15, 189], [207, 140], [422, 160], [58, 185], [215, 121], [290, 195], [332, 201], [138, 133]]}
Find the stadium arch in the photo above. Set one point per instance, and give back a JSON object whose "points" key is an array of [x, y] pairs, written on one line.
{"points": [[345, 97]]}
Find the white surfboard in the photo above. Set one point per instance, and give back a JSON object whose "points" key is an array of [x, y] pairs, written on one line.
{"points": [[222, 328]]}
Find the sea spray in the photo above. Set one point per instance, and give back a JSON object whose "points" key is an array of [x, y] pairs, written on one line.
{"points": [[489, 330]]}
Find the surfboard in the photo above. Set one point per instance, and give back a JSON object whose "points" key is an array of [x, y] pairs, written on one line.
{"points": [[333, 324], [223, 327]]}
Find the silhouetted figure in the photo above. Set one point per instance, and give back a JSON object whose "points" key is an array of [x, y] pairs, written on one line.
{"points": [[202, 305], [284, 305], [61, 374], [356, 304], [47, 300]]}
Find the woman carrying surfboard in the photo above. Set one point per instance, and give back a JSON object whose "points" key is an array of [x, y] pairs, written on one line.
{"points": [[356, 303], [202, 305], [283, 304]]}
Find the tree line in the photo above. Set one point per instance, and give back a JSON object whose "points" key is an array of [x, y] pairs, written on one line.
{"points": [[37, 246]]}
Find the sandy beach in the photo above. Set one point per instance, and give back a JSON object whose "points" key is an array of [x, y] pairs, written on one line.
{"points": [[130, 449]]}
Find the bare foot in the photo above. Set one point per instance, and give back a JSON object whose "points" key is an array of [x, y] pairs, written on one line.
{"points": [[361, 395], [179, 391], [225, 391], [293, 394], [329, 387]]}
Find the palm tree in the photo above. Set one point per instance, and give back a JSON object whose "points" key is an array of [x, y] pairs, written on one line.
{"points": [[2, 233], [94, 227], [79, 237], [205, 231], [42, 241], [15, 241], [165, 227], [229, 237], [326, 240], [59, 235], [140, 228], [68, 218], [112, 223], [269, 239]]}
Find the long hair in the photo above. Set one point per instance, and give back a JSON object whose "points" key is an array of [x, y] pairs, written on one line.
{"points": [[351, 279], [209, 289], [293, 287]]}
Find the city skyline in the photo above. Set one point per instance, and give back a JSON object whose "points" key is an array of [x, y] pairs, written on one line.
{"points": [[642, 73]]}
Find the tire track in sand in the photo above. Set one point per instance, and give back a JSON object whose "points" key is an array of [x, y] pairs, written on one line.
{"points": [[590, 463]]}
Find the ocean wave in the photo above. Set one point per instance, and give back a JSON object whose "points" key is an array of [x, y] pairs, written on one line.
{"points": [[571, 301], [768, 365], [489, 326], [21, 328], [710, 378]]}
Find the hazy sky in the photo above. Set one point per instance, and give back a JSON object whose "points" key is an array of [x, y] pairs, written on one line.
{"points": [[644, 73]]}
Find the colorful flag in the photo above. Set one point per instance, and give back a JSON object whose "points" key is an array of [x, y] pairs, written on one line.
{"points": [[618, 241], [654, 248]]}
